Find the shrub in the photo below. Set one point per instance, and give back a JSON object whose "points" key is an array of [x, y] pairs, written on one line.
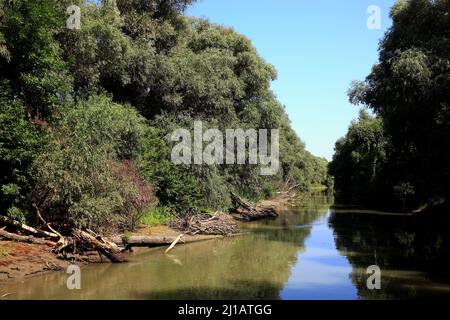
{"points": [[87, 177], [157, 216], [16, 214], [175, 186], [20, 143]]}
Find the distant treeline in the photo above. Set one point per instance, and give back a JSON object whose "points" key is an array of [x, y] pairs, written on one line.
{"points": [[400, 157], [85, 113]]}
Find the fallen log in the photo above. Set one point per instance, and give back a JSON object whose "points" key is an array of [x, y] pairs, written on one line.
{"points": [[63, 242], [113, 246], [109, 251], [148, 241], [15, 224], [160, 241], [249, 212], [27, 239]]}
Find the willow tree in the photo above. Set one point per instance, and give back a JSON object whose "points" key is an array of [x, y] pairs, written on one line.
{"points": [[408, 90]]}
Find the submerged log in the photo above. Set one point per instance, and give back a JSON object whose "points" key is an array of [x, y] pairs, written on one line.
{"points": [[249, 212]]}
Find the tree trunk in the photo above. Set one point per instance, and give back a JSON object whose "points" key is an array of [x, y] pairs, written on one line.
{"points": [[109, 251], [250, 212], [12, 223], [160, 241], [27, 239]]}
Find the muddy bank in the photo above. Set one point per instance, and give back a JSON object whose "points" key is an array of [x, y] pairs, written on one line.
{"points": [[22, 260], [19, 261]]}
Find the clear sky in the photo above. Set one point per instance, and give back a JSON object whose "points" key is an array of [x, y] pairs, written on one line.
{"points": [[317, 46]]}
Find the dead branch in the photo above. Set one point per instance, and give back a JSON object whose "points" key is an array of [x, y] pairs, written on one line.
{"points": [[62, 242], [27, 239], [15, 224], [291, 188], [109, 251], [38, 213], [193, 224], [245, 211], [173, 243], [103, 240]]}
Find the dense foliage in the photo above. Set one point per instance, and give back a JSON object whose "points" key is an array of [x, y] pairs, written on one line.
{"points": [[86, 114], [87, 173], [402, 157], [359, 159]]}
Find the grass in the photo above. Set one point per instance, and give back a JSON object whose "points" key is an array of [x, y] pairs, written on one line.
{"points": [[4, 252], [318, 187], [126, 237], [157, 216]]}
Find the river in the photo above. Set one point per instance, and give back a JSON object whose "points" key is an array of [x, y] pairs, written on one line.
{"points": [[313, 251]]}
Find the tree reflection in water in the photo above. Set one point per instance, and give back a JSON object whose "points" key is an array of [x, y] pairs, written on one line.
{"points": [[412, 252]]}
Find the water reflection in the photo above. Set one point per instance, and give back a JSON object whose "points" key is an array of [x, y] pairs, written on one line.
{"points": [[254, 266], [412, 252], [320, 271], [310, 252]]}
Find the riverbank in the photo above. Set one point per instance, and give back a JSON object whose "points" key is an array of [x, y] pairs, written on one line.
{"points": [[20, 261]]}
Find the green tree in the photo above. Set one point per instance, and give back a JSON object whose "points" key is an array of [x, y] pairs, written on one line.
{"points": [[33, 65], [359, 160], [94, 108], [20, 143], [408, 90], [88, 177]]}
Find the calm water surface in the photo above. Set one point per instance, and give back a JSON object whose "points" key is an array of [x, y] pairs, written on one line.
{"points": [[313, 251]]}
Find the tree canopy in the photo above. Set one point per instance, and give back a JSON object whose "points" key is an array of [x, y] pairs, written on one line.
{"points": [[408, 90], [86, 113]]}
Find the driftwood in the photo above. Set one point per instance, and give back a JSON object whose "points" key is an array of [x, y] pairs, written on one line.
{"points": [[148, 241], [113, 246], [245, 211], [194, 224], [110, 251], [38, 213], [27, 239], [287, 192], [79, 238], [23, 227], [209, 227], [173, 243], [160, 241], [63, 242]]}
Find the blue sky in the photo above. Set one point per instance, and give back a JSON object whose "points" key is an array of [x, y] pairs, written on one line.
{"points": [[318, 47]]}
